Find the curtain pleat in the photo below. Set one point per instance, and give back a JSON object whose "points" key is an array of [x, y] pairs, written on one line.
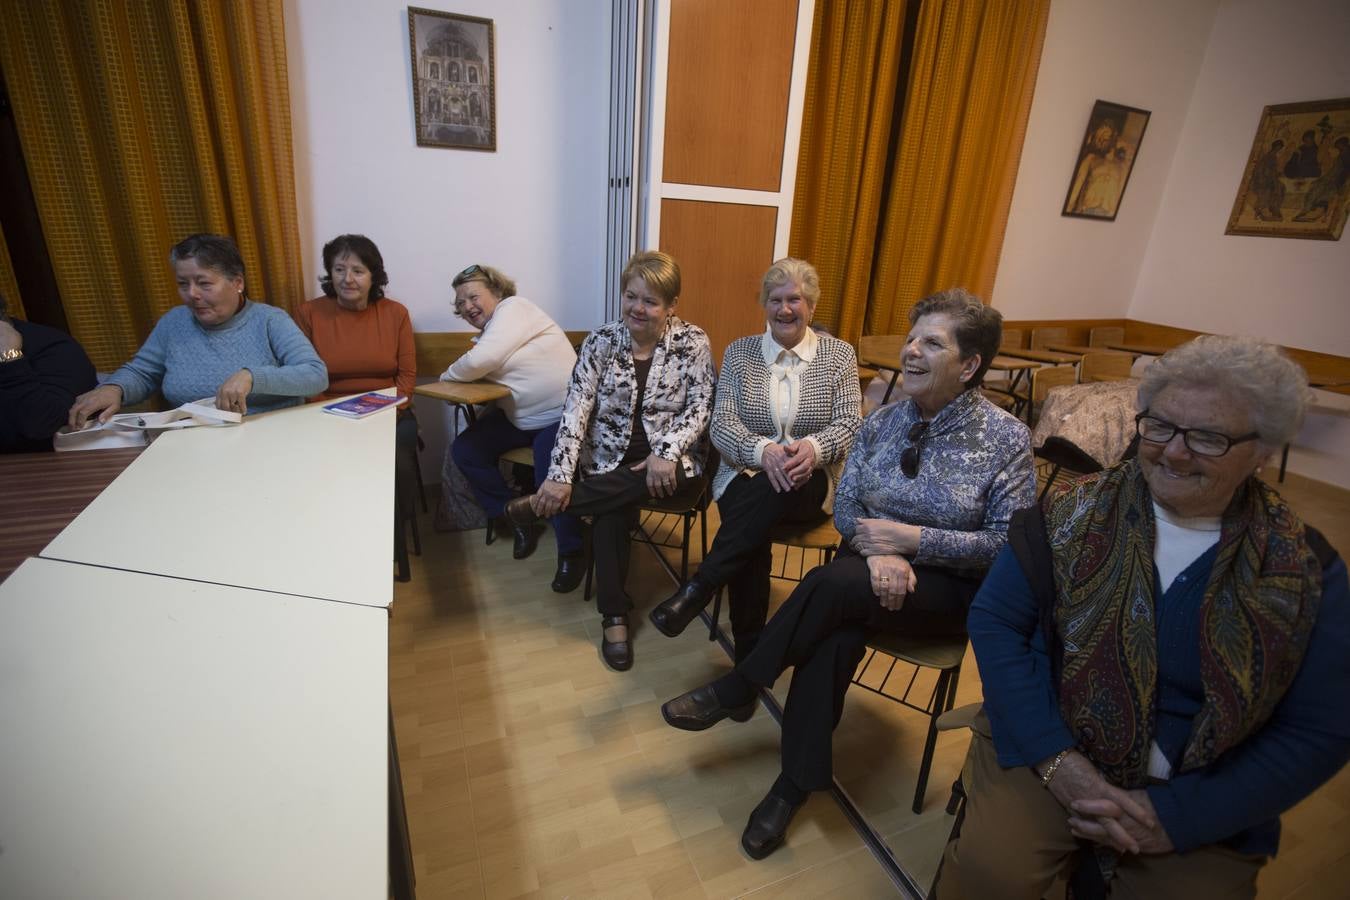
{"points": [[9, 286], [142, 123], [856, 51], [890, 212], [966, 106]]}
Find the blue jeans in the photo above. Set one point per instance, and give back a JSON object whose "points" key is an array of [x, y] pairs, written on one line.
{"points": [[475, 451]]}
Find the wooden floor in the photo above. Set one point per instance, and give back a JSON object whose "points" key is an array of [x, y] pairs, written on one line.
{"points": [[531, 770]]}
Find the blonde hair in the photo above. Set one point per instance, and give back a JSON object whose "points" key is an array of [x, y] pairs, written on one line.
{"points": [[659, 270], [496, 280]]}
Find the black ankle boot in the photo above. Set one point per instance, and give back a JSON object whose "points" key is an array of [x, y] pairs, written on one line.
{"points": [[675, 613]]}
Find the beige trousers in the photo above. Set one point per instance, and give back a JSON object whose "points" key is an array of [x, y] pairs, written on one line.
{"points": [[1015, 840]]}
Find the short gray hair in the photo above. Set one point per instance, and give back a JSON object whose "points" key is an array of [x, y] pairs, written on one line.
{"points": [[979, 328], [790, 269], [1272, 387]]}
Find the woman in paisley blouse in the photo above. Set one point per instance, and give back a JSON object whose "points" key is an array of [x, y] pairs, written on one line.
{"points": [[786, 413], [923, 506], [633, 427]]}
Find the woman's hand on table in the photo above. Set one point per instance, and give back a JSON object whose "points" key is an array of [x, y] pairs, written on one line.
{"points": [[1080, 788], [801, 462], [892, 579], [233, 394], [551, 499], [882, 537], [102, 402], [1093, 820], [660, 475]]}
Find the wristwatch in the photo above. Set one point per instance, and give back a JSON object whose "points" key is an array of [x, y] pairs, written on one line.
{"points": [[11, 355]]}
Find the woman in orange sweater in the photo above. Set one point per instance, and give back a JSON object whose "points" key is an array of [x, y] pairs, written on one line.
{"points": [[363, 337]]}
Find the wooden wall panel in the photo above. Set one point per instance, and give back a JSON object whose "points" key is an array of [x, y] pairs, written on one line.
{"points": [[723, 250], [730, 64]]}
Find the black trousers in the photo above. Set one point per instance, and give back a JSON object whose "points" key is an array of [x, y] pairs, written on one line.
{"points": [[822, 632], [741, 557], [612, 500]]}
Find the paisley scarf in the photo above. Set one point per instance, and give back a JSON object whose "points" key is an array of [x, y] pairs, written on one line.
{"points": [[1256, 617]]}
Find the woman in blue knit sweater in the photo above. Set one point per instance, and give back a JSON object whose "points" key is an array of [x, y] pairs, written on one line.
{"points": [[249, 357]]}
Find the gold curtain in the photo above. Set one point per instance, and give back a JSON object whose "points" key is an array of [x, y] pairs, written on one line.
{"points": [[948, 183], [9, 287], [142, 123], [846, 131]]}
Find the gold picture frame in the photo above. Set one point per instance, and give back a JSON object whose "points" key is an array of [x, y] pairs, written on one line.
{"points": [[1297, 180], [454, 76]]}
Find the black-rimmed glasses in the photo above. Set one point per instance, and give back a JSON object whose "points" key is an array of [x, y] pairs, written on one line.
{"points": [[909, 458], [1197, 440]]}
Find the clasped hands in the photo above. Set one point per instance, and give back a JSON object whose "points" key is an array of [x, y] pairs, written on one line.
{"points": [[1105, 814], [554, 496], [788, 466]]}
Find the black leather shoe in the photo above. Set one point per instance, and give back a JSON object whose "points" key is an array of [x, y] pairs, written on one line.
{"points": [[571, 569], [618, 655], [526, 539], [673, 615], [768, 826], [520, 513], [699, 709]]}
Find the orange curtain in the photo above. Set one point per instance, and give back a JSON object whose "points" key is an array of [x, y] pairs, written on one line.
{"points": [[847, 118], [9, 287], [142, 123], [970, 71]]}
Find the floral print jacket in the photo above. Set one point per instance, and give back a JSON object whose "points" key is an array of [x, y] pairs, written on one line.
{"points": [[597, 418]]}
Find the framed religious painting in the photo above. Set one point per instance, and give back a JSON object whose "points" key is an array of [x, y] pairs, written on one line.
{"points": [[1297, 180], [1105, 160], [454, 75]]}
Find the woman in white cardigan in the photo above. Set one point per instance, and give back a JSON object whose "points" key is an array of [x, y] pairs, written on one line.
{"points": [[786, 414], [520, 348]]}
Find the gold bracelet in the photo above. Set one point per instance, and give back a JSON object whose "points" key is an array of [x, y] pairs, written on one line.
{"points": [[1054, 764]]}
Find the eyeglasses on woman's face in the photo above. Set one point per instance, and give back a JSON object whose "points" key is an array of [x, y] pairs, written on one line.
{"points": [[1197, 440]]}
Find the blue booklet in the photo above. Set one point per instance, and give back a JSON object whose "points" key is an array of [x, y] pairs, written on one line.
{"points": [[365, 405]]}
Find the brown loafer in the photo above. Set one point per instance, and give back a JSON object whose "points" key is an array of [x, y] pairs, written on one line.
{"points": [[699, 709], [767, 828]]}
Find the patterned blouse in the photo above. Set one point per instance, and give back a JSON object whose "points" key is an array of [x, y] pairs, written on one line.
{"points": [[597, 419], [827, 411], [975, 470]]}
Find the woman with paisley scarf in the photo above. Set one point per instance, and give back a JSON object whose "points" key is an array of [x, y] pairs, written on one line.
{"points": [[1165, 651]]}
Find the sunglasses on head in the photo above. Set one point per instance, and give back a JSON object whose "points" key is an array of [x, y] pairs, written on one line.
{"points": [[471, 270], [909, 458]]}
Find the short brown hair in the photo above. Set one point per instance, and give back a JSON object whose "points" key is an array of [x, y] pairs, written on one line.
{"points": [[979, 328]]}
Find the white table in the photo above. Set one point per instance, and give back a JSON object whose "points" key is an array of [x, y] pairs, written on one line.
{"points": [[167, 738], [297, 501]]}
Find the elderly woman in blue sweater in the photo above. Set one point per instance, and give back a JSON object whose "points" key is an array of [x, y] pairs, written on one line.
{"points": [[249, 357], [1165, 650], [924, 505]]}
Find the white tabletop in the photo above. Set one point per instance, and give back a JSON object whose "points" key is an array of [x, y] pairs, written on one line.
{"points": [[297, 501], [164, 738]]}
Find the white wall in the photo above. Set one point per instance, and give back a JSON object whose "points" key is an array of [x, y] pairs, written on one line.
{"points": [[1146, 54], [1292, 292], [535, 208]]}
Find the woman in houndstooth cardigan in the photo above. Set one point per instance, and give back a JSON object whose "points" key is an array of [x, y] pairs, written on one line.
{"points": [[786, 412]]}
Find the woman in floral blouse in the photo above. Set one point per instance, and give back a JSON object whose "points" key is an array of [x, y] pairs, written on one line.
{"points": [[633, 427], [923, 506]]}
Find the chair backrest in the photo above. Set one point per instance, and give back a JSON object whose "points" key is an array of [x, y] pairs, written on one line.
{"points": [[1014, 338], [1106, 334], [1047, 377], [1105, 366], [1042, 336]]}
